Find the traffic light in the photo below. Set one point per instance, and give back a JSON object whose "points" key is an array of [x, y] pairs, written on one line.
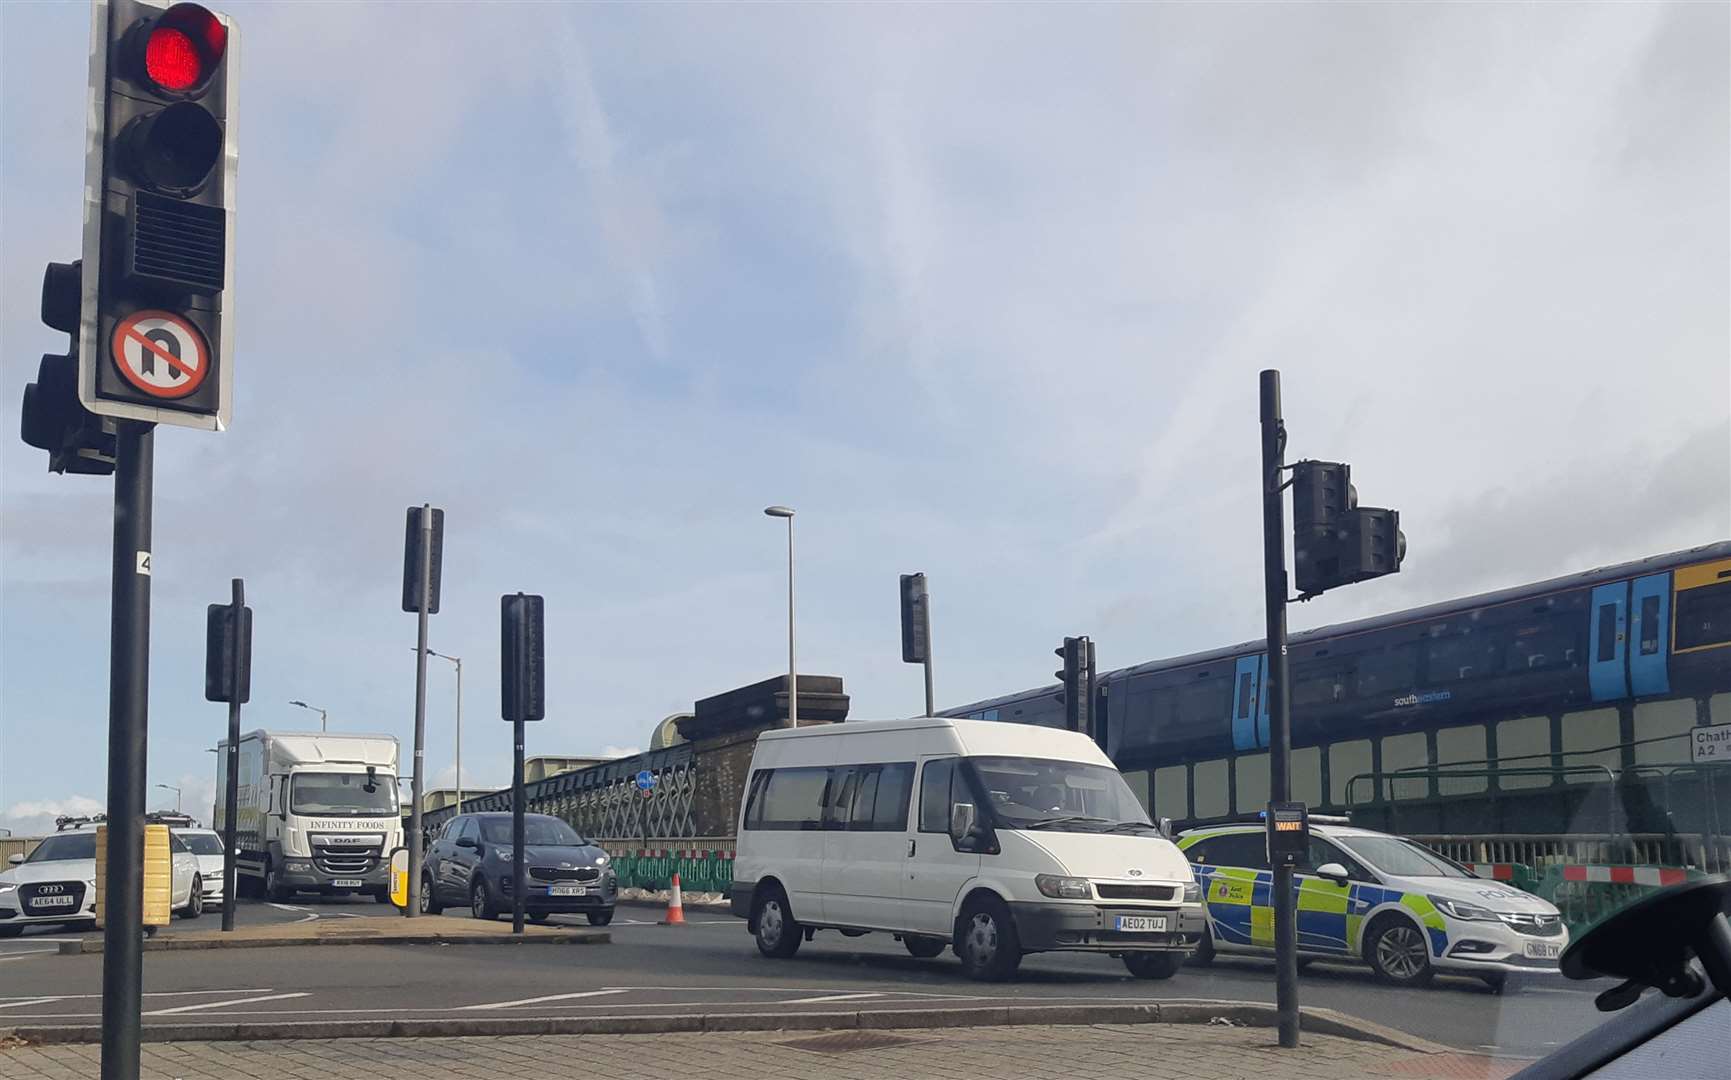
{"points": [[53, 420], [522, 657], [915, 627], [1077, 677], [156, 317], [1335, 541]]}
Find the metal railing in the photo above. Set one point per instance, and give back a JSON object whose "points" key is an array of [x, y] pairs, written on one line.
{"points": [[1707, 853]]}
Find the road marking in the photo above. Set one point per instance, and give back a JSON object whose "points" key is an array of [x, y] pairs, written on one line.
{"points": [[219, 1004], [539, 1000], [155, 993], [287, 907], [828, 997], [29, 1001], [27, 955]]}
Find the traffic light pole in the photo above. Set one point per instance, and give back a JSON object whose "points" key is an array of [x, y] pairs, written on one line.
{"points": [[413, 907], [231, 792], [518, 886], [1278, 698], [128, 715]]}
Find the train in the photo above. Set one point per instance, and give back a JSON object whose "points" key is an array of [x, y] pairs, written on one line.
{"points": [[1491, 713]]}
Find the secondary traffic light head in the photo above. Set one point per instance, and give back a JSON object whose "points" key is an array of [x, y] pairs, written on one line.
{"points": [[1321, 492], [157, 316], [76, 441]]}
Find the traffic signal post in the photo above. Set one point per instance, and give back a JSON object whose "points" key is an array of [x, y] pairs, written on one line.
{"points": [[522, 697], [917, 629], [423, 551], [1335, 542], [228, 678]]}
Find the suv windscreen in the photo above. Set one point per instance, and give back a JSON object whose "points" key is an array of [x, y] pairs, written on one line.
{"points": [[1037, 792], [548, 831], [79, 845], [343, 794]]}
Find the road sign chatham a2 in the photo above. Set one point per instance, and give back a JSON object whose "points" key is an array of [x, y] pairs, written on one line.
{"points": [[161, 354]]}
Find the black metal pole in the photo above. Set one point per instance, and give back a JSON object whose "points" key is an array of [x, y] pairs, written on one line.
{"points": [[231, 792], [517, 882], [926, 623], [128, 716], [1278, 698], [410, 910]]}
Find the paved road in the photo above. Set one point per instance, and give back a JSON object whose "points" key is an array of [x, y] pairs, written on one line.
{"points": [[711, 966]]}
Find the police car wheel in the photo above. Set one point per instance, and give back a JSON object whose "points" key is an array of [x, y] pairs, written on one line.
{"points": [[1398, 954], [1204, 954], [1153, 965]]}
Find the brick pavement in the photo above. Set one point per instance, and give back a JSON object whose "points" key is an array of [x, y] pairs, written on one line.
{"points": [[1142, 1051]]}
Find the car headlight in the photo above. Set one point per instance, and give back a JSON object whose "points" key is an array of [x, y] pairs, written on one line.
{"points": [[1460, 909], [1065, 888], [600, 860], [1192, 893], [8, 888]]}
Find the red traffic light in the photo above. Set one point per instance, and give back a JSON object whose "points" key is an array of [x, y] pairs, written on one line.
{"points": [[184, 47]]}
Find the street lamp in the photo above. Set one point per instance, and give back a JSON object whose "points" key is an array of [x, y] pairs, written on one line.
{"points": [[458, 661], [314, 708], [792, 670], [171, 787]]}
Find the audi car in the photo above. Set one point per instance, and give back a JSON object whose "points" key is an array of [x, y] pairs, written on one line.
{"points": [[56, 883]]}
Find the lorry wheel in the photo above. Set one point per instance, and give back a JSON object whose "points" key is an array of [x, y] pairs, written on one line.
{"points": [[274, 890], [923, 947], [429, 898], [778, 935], [987, 942], [480, 904], [1153, 965], [381, 896]]}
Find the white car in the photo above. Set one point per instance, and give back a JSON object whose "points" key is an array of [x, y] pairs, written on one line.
{"points": [[56, 883], [206, 847]]}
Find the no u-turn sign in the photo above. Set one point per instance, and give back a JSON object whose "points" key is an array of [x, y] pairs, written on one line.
{"points": [[161, 354]]}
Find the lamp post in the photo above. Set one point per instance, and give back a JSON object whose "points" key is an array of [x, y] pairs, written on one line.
{"points": [[458, 662], [314, 708], [792, 668], [171, 787]]}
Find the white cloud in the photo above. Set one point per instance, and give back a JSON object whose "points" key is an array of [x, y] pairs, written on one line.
{"points": [[36, 817]]}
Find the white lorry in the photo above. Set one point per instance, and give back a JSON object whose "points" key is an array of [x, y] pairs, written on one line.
{"points": [[317, 812]]}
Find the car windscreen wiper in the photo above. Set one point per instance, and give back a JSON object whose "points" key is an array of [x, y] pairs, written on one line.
{"points": [[1048, 822], [1131, 825]]}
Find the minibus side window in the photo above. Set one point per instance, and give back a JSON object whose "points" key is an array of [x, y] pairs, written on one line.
{"points": [[935, 795]]}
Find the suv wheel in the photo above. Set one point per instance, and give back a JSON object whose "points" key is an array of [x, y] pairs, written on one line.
{"points": [[429, 898], [480, 904], [600, 918], [987, 942], [1399, 954], [778, 935]]}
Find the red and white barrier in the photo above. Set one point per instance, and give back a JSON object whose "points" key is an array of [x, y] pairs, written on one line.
{"points": [[1626, 875]]}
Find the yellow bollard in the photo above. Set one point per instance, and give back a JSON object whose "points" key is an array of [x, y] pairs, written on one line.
{"points": [[158, 875], [400, 877]]}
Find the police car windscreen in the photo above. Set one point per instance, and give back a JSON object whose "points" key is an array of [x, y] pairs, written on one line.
{"points": [[1402, 858]]}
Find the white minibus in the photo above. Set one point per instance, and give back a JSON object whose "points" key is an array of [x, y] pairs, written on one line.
{"points": [[994, 839]]}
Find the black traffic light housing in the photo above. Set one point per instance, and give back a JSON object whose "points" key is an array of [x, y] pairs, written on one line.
{"points": [[1335, 541], [157, 320], [53, 420], [522, 657], [1077, 676]]}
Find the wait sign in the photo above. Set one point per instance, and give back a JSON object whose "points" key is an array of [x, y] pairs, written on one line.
{"points": [[1710, 744]]}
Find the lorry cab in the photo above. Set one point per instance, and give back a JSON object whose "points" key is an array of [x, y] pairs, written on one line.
{"points": [[994, 839]]}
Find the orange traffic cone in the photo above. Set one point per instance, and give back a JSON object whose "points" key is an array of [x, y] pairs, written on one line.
{"points": [[675, 907]]}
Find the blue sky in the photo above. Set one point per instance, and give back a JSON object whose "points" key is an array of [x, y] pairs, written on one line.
{"points": [[982, 291]]}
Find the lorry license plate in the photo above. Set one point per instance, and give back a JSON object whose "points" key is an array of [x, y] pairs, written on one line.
{"points": [[51, 901], [568, 890], [1156, 923], [1540, 950], [346, 883]]}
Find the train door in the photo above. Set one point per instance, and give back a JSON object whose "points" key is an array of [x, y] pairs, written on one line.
{"points": [[1649, 629], [1246, 683], [1607, 646]]}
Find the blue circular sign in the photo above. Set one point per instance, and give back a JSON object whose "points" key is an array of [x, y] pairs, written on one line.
{"points": [[645, 780]]}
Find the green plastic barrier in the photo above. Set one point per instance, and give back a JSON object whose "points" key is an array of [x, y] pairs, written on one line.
{"points": [[1584, 902], [699, 870]]}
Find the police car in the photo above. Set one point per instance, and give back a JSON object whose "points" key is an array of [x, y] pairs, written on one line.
{"points": [[1384, 900], [56, 883]]}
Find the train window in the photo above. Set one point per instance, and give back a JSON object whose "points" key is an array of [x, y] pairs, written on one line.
{"points": [[1464, 654], [1211, 795], [1320, 682], [1719, 708], [1544, 645], [1345, 761], [1404, 751], [1524, 743], [1202, 705], [1307, 775], [1251, 773], [1667, 722], [1586, 736], [1704, 616], [1649, 625], [1607, 632], [1388, 672], [1172, 792], [1465, 747]]}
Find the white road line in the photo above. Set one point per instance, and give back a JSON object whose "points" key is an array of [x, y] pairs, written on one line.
{"points": [[158, 993], [30, 1001], [220, 1004], [539, 1000], [287, 907], [27, 955], [828, 997]]}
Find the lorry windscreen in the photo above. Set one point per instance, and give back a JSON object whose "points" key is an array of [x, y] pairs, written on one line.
{"points": [[343, 794], [1066, 795]]}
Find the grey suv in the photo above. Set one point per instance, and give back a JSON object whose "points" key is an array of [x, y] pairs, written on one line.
{"points": [[470, 864]]}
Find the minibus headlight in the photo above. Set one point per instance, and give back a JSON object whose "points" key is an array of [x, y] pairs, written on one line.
{"points": [[1063, 888], [1192, 893]]}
